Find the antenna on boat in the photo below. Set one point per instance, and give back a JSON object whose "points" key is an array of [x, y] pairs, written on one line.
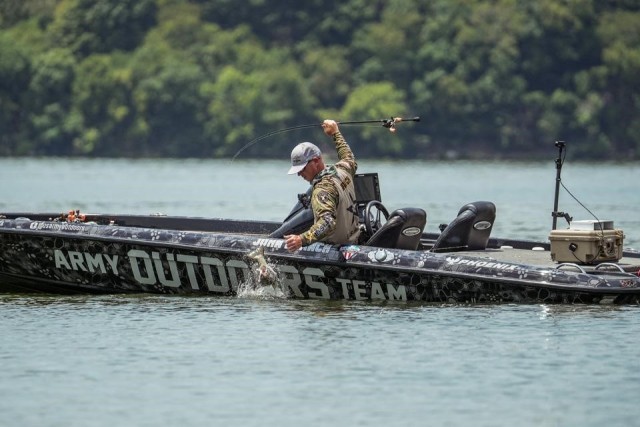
{"points": [[559, 161]]}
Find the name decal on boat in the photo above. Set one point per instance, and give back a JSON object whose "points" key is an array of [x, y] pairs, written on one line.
{"points": [[322, 248], [269, 243], [317, 247], [218, 275]]}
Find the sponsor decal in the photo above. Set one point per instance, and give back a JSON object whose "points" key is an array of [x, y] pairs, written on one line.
{"points": [[481, 263], [359, 287], [349, 252], [411, 231], [327, 220], [217, 275], [323, 196], [345, 183], [627, 283], [55, 226], [482, 225], [84, 261]]}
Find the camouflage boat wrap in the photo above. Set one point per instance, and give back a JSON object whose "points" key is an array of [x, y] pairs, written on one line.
{"points": [[55, 256]]}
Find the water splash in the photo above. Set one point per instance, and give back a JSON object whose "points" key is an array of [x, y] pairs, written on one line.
{"points": [[264, 281], [254, 289]]}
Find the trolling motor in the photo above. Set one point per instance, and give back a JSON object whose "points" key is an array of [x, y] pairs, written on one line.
{"points": [[559, 161]]}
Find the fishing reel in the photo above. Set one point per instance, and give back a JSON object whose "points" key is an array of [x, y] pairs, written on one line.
{"points": [[391, 123]]}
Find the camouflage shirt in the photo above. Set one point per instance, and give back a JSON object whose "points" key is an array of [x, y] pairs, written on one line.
{"points": [[325, 197]]}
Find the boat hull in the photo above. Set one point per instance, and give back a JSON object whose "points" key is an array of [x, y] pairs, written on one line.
{"points": [[61, 257]]}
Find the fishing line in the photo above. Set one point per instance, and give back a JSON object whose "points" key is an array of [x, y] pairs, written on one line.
{"points": [[387, 123], [269, 134]]}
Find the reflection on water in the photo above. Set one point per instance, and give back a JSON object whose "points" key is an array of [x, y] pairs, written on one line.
{"points": [[153, 359], [583, 311], [259, 359], [273, 299]]}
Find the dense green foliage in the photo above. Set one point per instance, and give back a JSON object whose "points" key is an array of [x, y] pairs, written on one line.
{"points": [[489, 78]]}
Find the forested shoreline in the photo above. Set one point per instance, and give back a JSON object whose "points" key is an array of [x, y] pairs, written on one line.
{"points": [[202, 78]]}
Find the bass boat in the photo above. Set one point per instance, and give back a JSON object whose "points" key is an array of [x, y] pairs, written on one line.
{"points": [[397, 260]]}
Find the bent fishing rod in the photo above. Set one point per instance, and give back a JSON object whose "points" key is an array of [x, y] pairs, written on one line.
{"points": [[387, 123]]}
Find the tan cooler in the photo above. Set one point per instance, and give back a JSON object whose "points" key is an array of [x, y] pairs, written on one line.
{"points": [[586, 246]]}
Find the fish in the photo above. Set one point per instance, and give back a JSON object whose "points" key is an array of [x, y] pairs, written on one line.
{"points": [[267, 275]]}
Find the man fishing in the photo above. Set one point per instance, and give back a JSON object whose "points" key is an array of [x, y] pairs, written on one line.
{"points": [[333, 195]]}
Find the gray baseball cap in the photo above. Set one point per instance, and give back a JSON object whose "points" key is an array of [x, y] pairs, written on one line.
{"points": [[301, 154]]}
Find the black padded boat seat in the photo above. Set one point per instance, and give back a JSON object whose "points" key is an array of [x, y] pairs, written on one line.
{"points": [[402, 230], [469, 231]]}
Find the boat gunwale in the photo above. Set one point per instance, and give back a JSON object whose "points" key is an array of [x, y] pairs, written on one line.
{"points": [[354, 263]]}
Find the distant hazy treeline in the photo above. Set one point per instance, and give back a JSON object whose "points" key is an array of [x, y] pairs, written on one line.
{"points": [[201, 78]]}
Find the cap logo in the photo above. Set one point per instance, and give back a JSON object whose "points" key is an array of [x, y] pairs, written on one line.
{"points": [[302, 154]]}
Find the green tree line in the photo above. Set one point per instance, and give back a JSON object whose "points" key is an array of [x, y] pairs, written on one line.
{"points": [[203, 78]]}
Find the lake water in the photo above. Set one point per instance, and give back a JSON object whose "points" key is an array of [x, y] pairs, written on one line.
{"points": [[146, 360]]}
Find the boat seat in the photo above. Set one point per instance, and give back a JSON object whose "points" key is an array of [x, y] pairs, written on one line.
{"points": [[402, 230], [469, 231]]}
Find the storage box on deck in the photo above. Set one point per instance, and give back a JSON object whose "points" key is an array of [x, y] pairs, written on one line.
{"points": [[587, 242]]}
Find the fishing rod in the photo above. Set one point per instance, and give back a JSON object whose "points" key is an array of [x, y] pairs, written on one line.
{"points": [[387, 123]]}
